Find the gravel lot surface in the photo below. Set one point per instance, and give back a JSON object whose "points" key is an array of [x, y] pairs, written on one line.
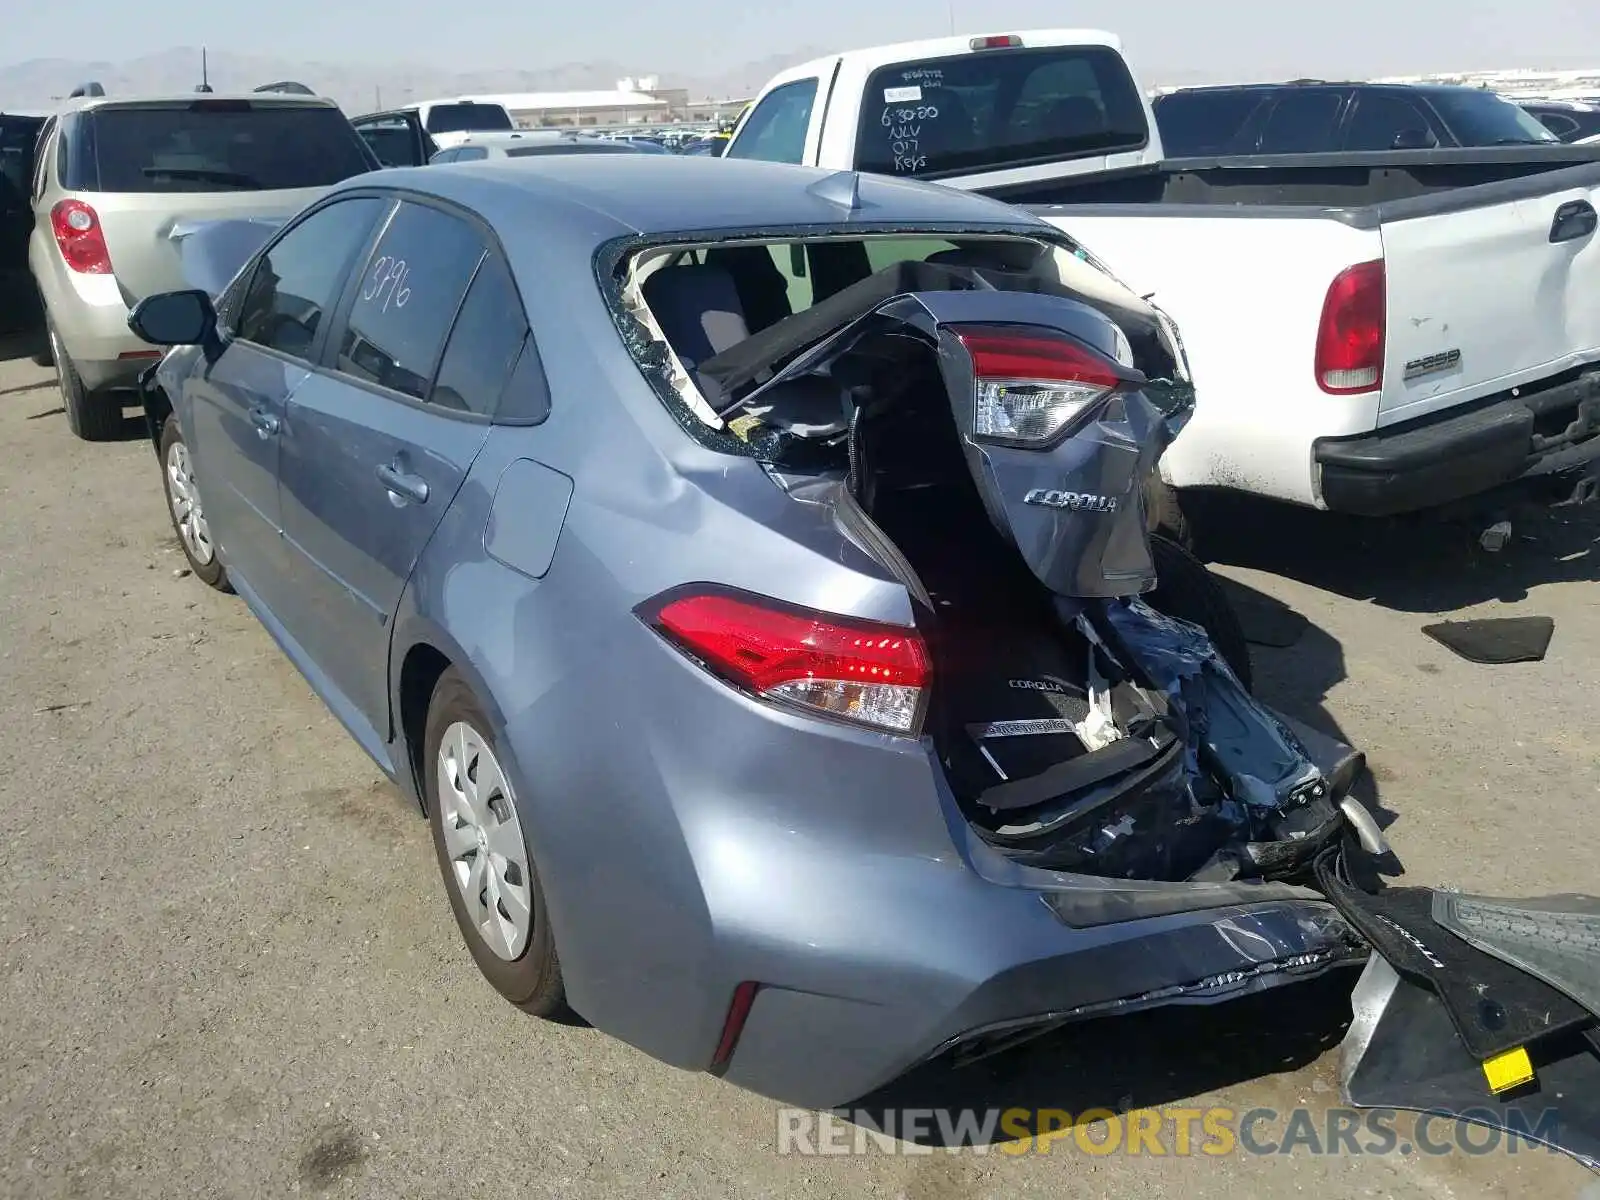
{"points": [[229, 968]]}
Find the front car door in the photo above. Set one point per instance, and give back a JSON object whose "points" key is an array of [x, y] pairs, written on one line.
{"points": [[274, 318], [378, 442]]}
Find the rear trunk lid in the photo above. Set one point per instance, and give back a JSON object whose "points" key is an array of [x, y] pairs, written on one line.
{"points": [[1482, 299], [153, 169]]}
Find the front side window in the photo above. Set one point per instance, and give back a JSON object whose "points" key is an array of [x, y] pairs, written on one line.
{"points": [[775, 130], [298, 279], [1386, 123], [392, 139], [407, 299]]}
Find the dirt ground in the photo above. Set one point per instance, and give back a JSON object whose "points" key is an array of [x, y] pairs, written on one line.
{"points": [[229, 969]]}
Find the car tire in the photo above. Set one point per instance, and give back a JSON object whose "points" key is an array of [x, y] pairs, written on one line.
{"points": [[474, 816], [186, 511], [1187, 590], [91, 417]]}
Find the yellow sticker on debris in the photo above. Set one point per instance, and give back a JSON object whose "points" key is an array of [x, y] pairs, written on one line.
{"points": [[1509, 1070]]}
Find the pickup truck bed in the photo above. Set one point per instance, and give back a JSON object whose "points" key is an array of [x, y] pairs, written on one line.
{"points": [[1491, 273]]}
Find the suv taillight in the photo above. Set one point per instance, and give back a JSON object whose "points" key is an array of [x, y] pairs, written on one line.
{"points": [[1032, 382], [1350, 337], [78, 233], [864, 672]]}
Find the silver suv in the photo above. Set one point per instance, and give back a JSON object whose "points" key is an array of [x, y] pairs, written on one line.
{"points": [[119, 181]]}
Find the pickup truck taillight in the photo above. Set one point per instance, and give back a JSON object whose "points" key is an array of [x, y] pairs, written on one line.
{"points": [[863, 672], [1350, 337], [78, 233]]}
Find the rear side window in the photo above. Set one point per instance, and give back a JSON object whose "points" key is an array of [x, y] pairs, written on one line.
{"points": [[391, 139], [300, 276], [775, 131], [1382, 122], [484, 344], [1196, 124], [468, 117], [999, 108], [1302, 122], [221, 146], [407, 299]]}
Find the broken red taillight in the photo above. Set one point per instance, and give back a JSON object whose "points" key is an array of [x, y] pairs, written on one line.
{"points": [[1350, 335], [865, 672], [1031, 383], [997, 41]]}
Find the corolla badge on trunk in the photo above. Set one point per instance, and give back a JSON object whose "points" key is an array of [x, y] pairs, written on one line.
{"points": [[1076, 501]]}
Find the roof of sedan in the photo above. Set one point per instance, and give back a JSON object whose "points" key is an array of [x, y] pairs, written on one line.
{"points": [[652, 194]]}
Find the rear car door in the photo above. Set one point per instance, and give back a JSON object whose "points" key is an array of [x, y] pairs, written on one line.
{"points": [[150, 169], [378, 442], [274, 318], [1304, 120], [397, 138]]}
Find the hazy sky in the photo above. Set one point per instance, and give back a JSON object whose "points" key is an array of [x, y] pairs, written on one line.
{"points": [[1216, 37]]}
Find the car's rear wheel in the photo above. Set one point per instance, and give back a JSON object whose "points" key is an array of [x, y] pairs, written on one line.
{"points": [[1186, 589], [186, 510], [483, 853], [94, 418]]}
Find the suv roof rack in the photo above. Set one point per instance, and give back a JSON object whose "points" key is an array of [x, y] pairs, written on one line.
{"points": [[286, 86], [91, 88]]}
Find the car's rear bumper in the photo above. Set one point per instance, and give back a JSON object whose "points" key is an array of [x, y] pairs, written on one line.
{"points": [[90, 314], [1550, 436], [824, 1051]]}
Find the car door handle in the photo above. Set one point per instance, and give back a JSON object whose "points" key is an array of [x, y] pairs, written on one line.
{"points": [[403, 484], [1573, 220], [266, 423]]}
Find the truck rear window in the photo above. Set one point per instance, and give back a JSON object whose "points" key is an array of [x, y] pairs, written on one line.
{"points": [[222, 146], [468, 118], [996, 109]]}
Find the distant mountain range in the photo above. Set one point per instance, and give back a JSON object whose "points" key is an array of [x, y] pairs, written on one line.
{"points": [[359, 88]]}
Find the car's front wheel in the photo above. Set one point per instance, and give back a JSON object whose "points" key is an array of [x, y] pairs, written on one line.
{"points": [[186, 509], [483, 853]]}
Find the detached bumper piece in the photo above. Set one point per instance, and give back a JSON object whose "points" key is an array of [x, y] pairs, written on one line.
{"points": [[1498, 1029], [1548, 437]]}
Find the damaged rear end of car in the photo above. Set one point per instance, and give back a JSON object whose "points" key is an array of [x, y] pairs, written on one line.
{"points": [[978, 410]]}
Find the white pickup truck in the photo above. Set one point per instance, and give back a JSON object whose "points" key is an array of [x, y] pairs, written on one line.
{"points": [[1373, 333]]}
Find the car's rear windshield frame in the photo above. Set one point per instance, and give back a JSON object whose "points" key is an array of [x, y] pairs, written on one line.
{"points": [[877, 151], [471, 105], [336, 157]]}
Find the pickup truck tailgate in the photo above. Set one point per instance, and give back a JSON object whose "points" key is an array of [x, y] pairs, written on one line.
{"points": [[1485, 297]]}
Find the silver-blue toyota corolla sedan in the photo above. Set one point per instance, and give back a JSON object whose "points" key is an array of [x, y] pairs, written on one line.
{"points": [[741, 566]]}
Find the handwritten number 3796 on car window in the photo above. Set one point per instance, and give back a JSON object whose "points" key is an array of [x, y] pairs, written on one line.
{"points": [[386, 286]]}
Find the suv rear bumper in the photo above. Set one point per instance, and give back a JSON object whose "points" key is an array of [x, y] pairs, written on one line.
{"points": [[90, 316], [1550, 436]]}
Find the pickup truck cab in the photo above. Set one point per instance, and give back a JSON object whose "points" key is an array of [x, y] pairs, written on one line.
{"points": [[1313, 117], [1372, 332]]}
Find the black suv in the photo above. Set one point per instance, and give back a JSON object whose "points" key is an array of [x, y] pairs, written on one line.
{"points": [[19, 302], [1314, 117]]}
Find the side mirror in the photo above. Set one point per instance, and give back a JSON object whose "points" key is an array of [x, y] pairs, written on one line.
{"points": [[175, 319], [1414, 139]]}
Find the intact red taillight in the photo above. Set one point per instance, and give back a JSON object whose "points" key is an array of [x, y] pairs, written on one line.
{"points": [[860, 671], [1350, 337], [996, 42], [1032, 382], [78, 233]]}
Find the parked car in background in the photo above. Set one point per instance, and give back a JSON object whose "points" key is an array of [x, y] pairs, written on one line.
{"points": [[1569, 120], [120, 181], [1315, 117], [532, 144], [673, 536], [1346, 352], [711, 146], [19, 299]]}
